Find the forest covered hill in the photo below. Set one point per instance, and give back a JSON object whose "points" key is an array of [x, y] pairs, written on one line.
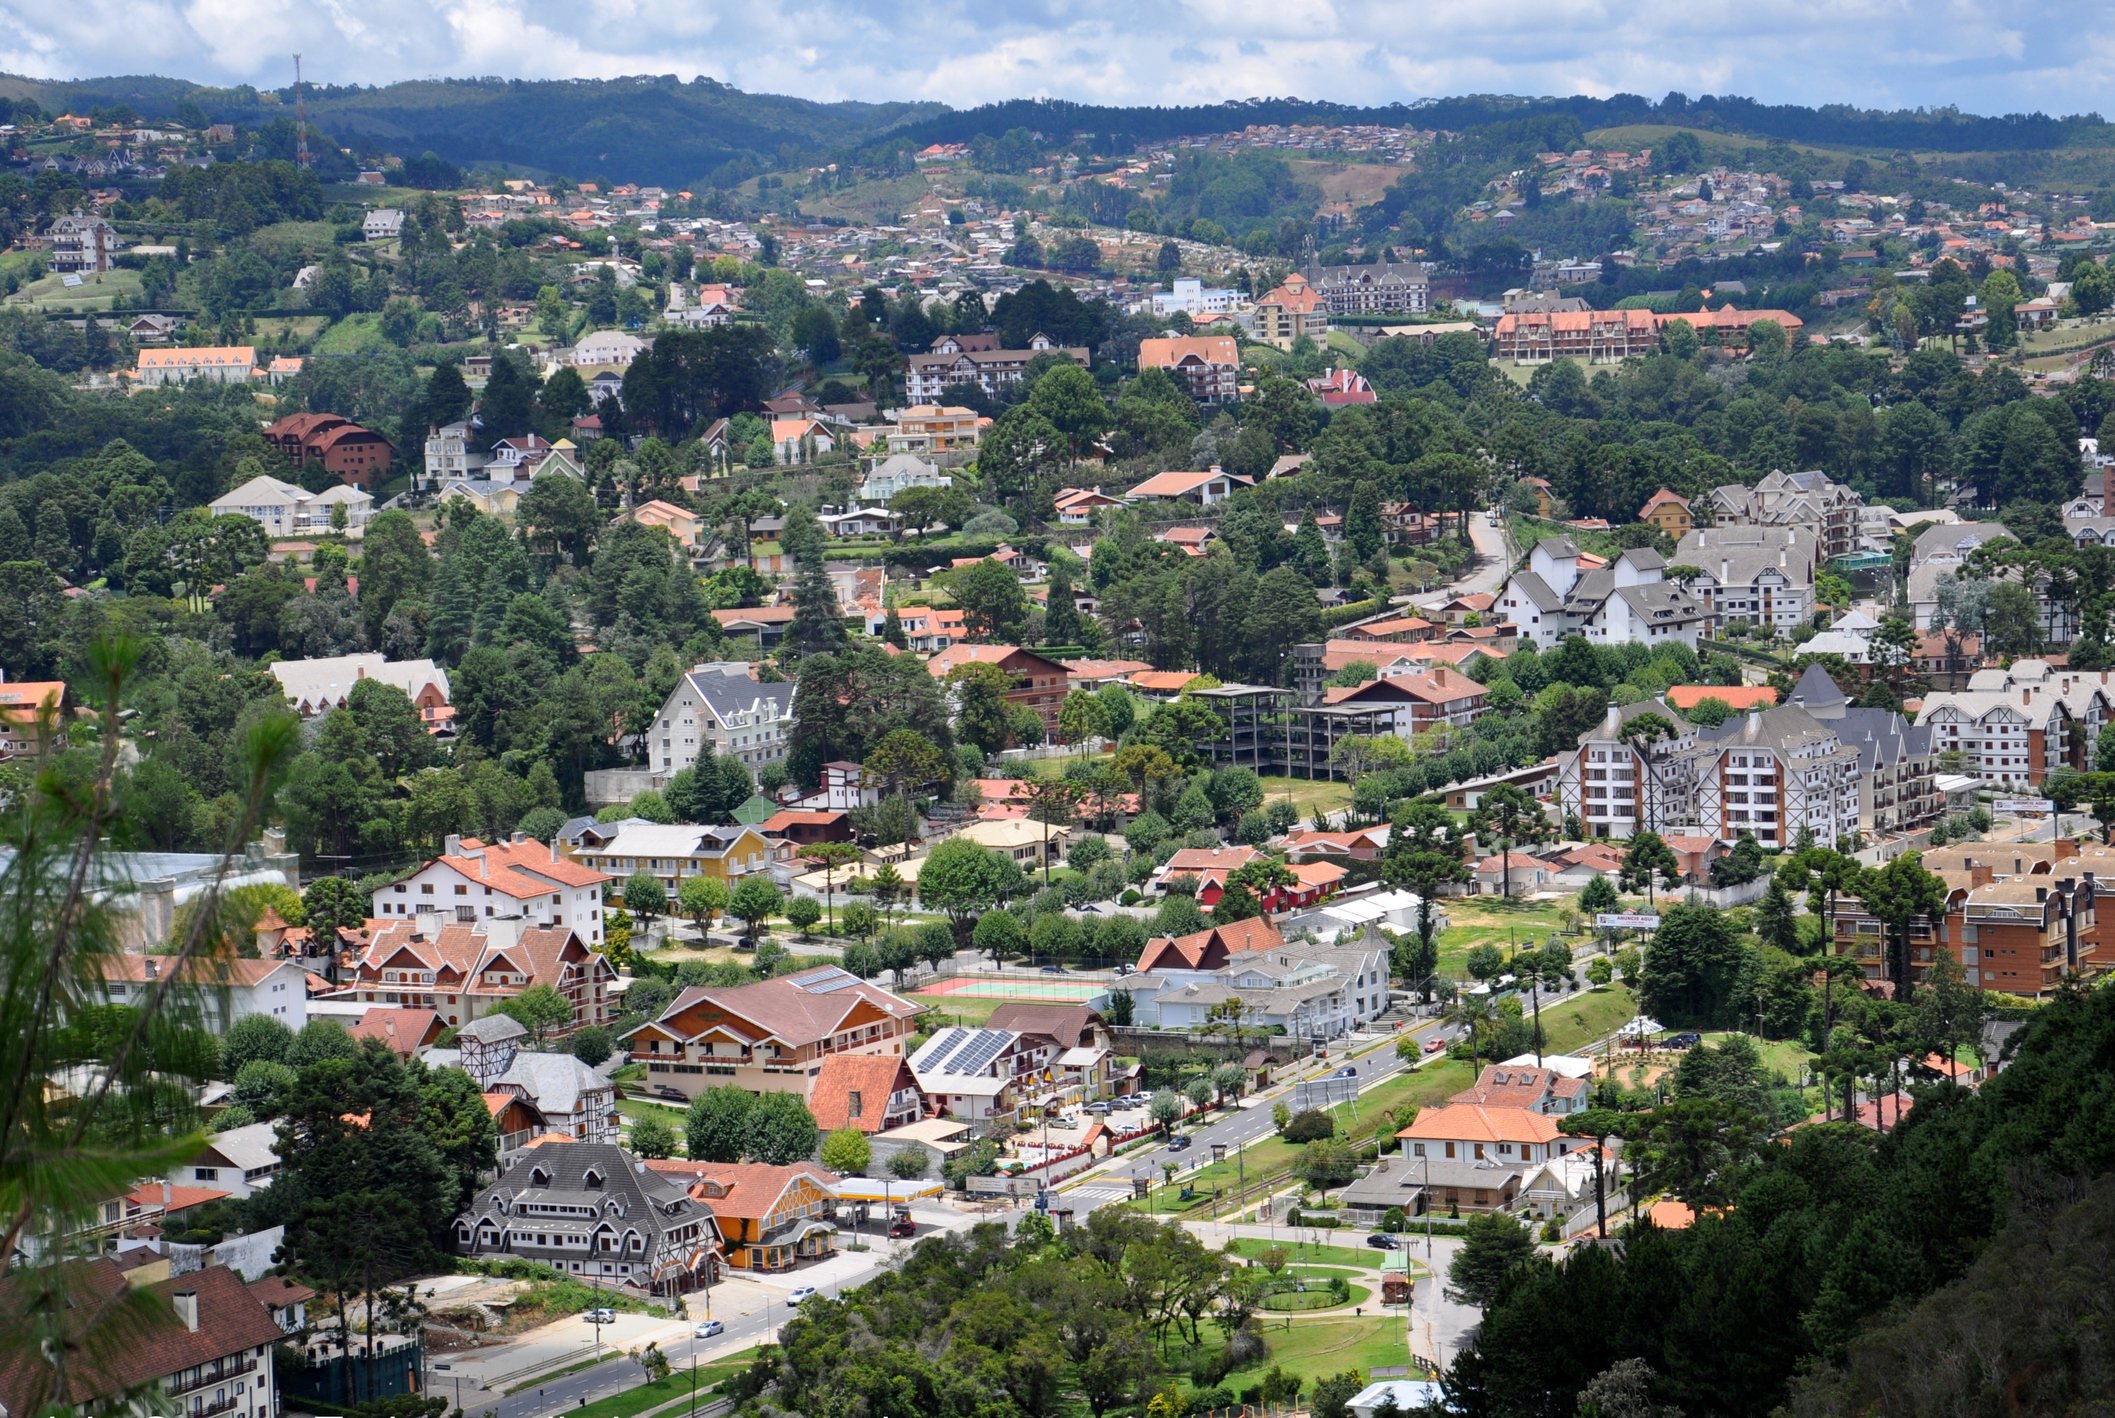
{"points": [[660, 129]]}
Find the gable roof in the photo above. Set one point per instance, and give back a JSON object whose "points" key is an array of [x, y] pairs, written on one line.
{"points": [[873, 1076], [1475, 1122], [1066, 1023]]}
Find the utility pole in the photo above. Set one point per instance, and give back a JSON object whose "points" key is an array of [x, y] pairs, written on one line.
{"points": [[300, 118]]}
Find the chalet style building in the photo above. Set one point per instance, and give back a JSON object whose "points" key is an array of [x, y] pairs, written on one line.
{"points": [[772, 1036], [590, 1210]]}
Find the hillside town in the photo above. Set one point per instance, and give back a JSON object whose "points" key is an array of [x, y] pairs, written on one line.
{"points": [[1314, 768]]}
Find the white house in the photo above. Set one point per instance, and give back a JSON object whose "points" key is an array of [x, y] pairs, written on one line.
{"points": [[285, 510], [898, 473], [240, 1161], [472, 881], [1626, 600], [718, 706], [382, 224], [220, 991]]}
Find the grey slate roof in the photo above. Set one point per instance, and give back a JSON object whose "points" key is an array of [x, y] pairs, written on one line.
{"points": [[556, 1174], [727, 692], [1816, 690]]}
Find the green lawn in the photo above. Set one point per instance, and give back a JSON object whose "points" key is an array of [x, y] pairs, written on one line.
{"points": [[1309, 795], [1316, 1349], [675, 1387], [1786, 1058], [1301, 1251], [97, 291], [1490, 920], [352, 335], [969, 1012]]}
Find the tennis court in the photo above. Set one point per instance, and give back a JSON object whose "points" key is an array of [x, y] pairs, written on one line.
{"points": [[964, 987]]}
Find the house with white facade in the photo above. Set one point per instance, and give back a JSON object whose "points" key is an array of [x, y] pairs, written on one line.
{"points": [[473, 881], [221, 992], [900, 472], [718, 706], [1627, 600], [1310, 990], [284, 509], [2014, 727], [240, 1161], [1755, 575]]}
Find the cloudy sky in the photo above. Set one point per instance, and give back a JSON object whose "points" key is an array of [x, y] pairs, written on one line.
{"points": [[1987, 56]]}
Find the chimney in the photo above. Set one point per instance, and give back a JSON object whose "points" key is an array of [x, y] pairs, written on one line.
{"points": [[186, 1303], [168, 1195], [452, 846], [429, 919], [502, 932]]}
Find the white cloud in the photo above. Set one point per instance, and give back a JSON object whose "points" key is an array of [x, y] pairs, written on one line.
{"points": [[1981, 55]]}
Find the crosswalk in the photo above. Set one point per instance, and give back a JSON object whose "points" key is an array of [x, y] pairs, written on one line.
{"points": [[1092, 1196]]}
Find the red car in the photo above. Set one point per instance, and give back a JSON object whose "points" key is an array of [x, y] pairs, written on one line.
{"points": [[1433, 1046]]}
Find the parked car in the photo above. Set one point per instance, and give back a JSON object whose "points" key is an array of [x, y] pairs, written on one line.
{"points": [[599, 1316], [1181, 1144], [1382, 1241], [1099, 1109], [1685, 1041], [710, 1329], [800, 1293], [1127, 970], [903, 1226], [1053, 969]]}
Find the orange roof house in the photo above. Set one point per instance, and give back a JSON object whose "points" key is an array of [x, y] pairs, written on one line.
{"points": [[1210, 948], [870, 1092]]}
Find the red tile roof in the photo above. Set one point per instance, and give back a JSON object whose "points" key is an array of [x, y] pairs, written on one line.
{"points": [[873, 1076], [1734, 696]]}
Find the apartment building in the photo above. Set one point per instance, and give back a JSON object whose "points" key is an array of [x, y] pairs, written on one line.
{"points": [[315, 687], [1626, 601], [1208, 367], [1592, 336], [1619, 780], [334, 443], [2014, 727], [770, 1037], [1755, 575], [1383, 288], [978, 360], [81, 244], [209, 364], [209, 1357], [221, 991], [589, 1209], [285, 510], [1292, 311], [719, 709], [1808, 501], [928, 429], [464, 972], [1039, 684], [473, 881]]}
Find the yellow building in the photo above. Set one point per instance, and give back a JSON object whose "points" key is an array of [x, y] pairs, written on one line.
{"points": [[1669, 511], [673, 851], [1291, 311]]}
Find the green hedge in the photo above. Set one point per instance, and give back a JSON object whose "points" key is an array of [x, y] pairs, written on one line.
{"points": [[1345, 614]]}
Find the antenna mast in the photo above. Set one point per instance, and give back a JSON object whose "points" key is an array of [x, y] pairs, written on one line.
{"points": [[300, 118]]}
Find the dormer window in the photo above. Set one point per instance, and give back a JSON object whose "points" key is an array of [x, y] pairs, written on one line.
{"points": [[593, 1180], [539, 1177]]}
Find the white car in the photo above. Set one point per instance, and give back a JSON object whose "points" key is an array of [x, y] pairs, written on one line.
{"points": [[709, 1329], [800, 1293]]}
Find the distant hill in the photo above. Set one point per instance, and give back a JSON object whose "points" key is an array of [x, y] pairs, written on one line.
{"points": [[1835, 125], [658, 129], [646, 129]]}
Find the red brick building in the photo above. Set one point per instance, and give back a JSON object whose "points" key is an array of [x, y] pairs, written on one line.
{"points": [[338, 445]]}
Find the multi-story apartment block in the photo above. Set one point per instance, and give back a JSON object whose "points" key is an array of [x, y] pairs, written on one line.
{"points": [[978, 360], [770, 1037], [1806, 501], [221, 991], [719, 708], [464, 972], [1813, 763], [1384, 288], [81, 244], [1289, 312], [211, 1359], [2014, 727], [2021, 933], [473, 881], [1758, 575], [1624, 601], [933, 428], [214, 364], [1038, 683], [1594, 336], [1208, 367]]}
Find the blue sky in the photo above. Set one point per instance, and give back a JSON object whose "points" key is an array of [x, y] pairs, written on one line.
{"points": [[1982, 56]]}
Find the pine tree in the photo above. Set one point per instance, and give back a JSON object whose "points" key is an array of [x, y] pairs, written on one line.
{"points": [[892, 630], [1061, 616]]}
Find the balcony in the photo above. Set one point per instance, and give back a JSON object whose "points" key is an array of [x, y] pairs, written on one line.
{"points": [[214, 1374], [226, 1405]]}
